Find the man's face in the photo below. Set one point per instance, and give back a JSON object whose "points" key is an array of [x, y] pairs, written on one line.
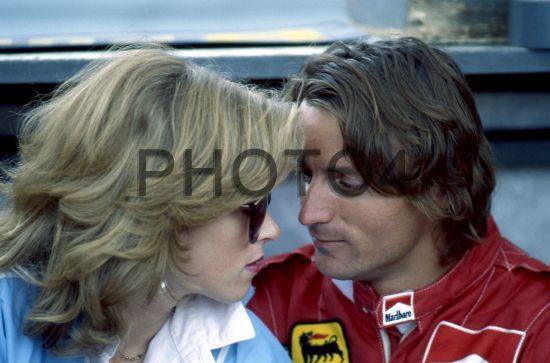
{"points": [[366, 237]]}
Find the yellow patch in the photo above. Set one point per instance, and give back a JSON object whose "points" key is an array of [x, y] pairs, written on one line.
{"points": [[319, 342]]}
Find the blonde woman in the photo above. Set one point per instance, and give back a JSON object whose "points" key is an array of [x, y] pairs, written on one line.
{"points": [[115, 246]]}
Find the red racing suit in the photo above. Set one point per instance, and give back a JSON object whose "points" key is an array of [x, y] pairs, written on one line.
{"points": [[492, 306]]}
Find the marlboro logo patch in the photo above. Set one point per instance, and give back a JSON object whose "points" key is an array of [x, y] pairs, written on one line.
{"points": [[456, 344], [319, 342], [397, 308]]}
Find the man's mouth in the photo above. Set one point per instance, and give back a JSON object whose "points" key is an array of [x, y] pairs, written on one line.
{"points": [[320, 239], [324, 246]]}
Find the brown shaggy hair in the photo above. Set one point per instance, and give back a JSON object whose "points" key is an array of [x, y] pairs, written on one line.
{"points": [[411, 128]]}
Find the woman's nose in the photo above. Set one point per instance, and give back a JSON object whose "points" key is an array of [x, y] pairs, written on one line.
{"points": [[269, 231]]}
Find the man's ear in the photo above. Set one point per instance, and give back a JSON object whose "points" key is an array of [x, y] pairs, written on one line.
{"points": [[440, 198], [433, 203]]}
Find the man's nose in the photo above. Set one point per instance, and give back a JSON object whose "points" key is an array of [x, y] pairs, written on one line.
{"points": [[317, 206]]}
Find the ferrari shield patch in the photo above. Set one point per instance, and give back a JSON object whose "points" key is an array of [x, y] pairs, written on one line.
{"points": [[319, 342]]}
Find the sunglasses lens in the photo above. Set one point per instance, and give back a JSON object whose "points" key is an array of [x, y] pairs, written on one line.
{"points": [[257, 217]]}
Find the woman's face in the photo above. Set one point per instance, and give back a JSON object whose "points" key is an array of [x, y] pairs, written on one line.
{"points": [[220, 262]]}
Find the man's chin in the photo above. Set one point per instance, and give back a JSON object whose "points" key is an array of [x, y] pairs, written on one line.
{"points": [[333, 267]]}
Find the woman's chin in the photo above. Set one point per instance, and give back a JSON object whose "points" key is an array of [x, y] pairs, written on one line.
{"points": [[231, 296]]}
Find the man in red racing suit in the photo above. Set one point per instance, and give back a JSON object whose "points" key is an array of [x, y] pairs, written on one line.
{"points": [[406, 263], [493, 305]]}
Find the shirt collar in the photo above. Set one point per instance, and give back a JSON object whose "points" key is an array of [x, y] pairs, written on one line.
{"points": [[198, 326]]}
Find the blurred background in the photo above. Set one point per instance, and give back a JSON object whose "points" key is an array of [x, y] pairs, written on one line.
{"points": [[503, 47]]}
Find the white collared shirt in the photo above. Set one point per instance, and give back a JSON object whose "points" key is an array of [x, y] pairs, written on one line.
{"points": [[198, 326]]}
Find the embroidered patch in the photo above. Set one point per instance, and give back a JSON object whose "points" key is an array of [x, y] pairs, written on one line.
{"points": [[397, 308], [319, 342], [454, 343]]}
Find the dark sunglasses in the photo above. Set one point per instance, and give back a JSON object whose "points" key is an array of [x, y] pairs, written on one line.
{"points": [[256, 212]]}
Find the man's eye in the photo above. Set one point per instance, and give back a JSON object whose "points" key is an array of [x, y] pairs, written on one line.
{"points": [[344, 184], [349, 183]]}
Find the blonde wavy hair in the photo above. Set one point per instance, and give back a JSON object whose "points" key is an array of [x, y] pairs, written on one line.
{"points": [[75, 224]]}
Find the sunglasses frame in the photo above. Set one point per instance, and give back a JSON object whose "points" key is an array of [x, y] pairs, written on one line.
{"points": [[256, 212]]}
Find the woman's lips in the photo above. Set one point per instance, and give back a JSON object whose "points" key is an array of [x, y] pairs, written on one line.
{"points": [[254, 267]]}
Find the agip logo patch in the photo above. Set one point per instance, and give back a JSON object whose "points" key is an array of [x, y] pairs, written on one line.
{"points": [[398, 308], [319, 342]]}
